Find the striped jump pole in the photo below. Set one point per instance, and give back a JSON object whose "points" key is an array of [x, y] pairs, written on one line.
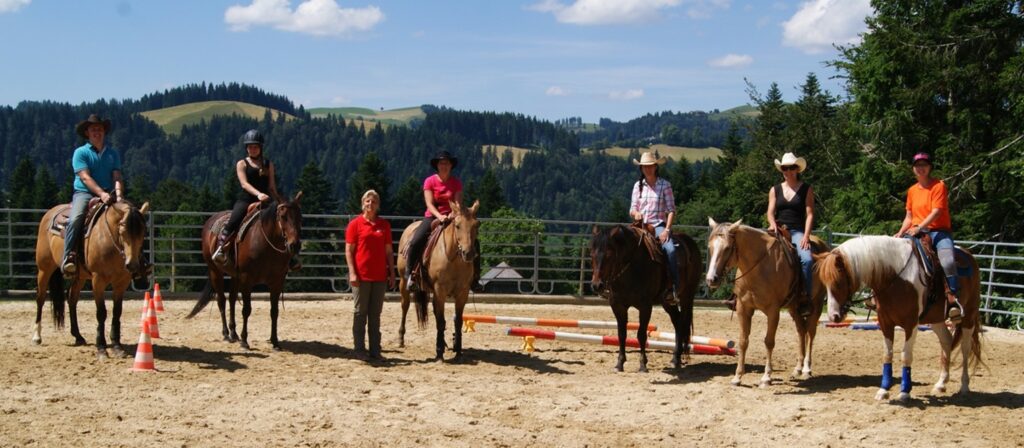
{"points": [[716, 342], [541, 322], [699, 349], [874, 326]]}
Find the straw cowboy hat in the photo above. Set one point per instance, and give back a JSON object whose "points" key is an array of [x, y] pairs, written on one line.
{"points": [[647, 158], [93, 119], [790, 159]]}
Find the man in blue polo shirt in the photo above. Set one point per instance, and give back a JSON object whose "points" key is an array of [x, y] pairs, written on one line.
{"points": [[97, 174]]}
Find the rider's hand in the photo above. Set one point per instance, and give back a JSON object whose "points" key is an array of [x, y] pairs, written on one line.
{"points": [[805, 242], [773, 228], [665, 235], [446, 218], [263, 197], [353, 280], [106, 198]]}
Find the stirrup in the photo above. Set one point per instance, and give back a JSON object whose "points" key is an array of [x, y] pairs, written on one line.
{"points": [[69, 270], [411, 284], [672, 298], [954, 314]]}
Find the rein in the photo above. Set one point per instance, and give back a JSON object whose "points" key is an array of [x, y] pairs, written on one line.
{"points": [[266, 237], [744, 274]]}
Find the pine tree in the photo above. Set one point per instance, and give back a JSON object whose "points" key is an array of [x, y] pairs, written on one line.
{"points": [[20, 186], [372, 174], [317, 197], [408, 200], [44, 190], [489, 194]]}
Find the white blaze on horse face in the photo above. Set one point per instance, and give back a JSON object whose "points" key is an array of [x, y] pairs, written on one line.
{"points": [[716, 250], [834, 308]]}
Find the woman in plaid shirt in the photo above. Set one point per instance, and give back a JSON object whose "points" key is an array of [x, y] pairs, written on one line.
{"points": [[653, 203]]}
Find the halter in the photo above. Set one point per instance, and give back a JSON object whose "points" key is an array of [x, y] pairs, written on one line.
{"points": [[744, 274], [266, 237], [622, 270]]}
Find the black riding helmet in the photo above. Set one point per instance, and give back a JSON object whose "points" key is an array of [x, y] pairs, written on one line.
{"points": [[444, 155], [252, 136]]}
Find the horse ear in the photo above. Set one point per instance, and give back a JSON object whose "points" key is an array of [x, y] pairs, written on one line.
{"points": [[735, 225], [711, 222], [144, 208], [595, 230], [298, 196], [474, 208]]}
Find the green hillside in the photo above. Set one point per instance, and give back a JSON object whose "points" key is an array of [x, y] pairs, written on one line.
{"points": [[672, 152], [398, 117], [745, 110], [171, 119]]}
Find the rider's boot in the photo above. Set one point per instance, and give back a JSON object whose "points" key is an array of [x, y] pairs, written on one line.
{"points": [[220, 256], [69, 268]]}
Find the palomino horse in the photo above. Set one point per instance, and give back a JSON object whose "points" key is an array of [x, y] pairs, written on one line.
{"points": [[450, 273], [111, 257], [628, 274], [261, 256], [765, 280], [889, 267]]}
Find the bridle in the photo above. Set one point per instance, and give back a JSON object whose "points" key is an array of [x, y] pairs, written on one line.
{"points": [[735, 254], [625, 266]]}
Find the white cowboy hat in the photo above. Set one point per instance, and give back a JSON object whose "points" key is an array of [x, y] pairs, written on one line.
{"points": [[790, 159], [647, 158]]}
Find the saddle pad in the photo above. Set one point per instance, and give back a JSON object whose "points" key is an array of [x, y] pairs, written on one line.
{"points": [[59, 223]]}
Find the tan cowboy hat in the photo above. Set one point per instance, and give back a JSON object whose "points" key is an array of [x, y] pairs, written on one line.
{"points": [[93, 119], [648, 158], [790, 159]]}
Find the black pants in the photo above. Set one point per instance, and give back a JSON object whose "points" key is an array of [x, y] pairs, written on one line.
{"points": [[418, 243], [237, 215]]}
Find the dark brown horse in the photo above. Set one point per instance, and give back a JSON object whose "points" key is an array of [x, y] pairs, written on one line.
{"points": [[111, 256], [629, 275], [450, 272], [261, 256], [889, 267]]}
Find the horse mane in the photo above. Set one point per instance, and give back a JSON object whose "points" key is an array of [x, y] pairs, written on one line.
{"points": [[269, 212], [828, 267], [134, 222], [870, 260]]}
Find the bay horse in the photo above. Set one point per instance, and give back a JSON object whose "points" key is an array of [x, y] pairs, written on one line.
{"points": [[895, 274], [628, 274], [450, 272], [260, 256], [765, 281], [111, 256]]}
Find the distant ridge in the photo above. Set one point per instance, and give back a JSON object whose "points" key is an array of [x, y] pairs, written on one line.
{"points": [[172, 119], [397, 117]]}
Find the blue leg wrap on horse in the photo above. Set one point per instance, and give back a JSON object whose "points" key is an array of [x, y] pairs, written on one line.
{"points": [[905, 381], [886, 375]]}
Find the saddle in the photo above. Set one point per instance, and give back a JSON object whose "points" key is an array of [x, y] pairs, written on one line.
{"points": [[935, 277], [250, 215], [653, 245], [436, 228], [58, 226]]}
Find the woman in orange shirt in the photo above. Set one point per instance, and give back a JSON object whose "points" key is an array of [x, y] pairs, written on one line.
{"points": [[928, 212]]}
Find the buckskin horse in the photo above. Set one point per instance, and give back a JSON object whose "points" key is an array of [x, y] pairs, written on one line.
{"points": [[630, 274], [261, 254], [898, 279], [111, 256], [448, 274], [766, 280]]}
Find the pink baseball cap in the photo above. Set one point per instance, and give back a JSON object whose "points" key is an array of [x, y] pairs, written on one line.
{"points": [[921, 156]]}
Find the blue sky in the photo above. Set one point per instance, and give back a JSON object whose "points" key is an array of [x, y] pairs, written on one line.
{"points": [[547, 58]]}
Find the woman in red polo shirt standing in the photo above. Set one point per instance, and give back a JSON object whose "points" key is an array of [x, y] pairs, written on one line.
{"points": [[371, 269]]}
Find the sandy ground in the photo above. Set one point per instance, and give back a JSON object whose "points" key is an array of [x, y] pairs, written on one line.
{"points": [[211, 393]]}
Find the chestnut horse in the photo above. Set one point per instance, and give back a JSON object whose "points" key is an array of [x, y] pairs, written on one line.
{"points": [[765, 280], [261, 256], [111, 256], [890, 268], [450, 273], [629, 275]]}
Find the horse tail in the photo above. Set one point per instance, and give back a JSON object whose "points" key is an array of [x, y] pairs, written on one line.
{"points": [[421, 308], [57, 295], [204, 299]]}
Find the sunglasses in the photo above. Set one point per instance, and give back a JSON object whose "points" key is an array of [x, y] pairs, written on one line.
{"points": [[789, 167]]}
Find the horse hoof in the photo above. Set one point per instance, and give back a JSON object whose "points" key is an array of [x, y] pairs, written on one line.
{"points": [[37, 341], [642, 369], [245, 345], [882, 394], [964, 391], [118, 352], [618, 369], [79, 342], [764, 384], [275, 347], [805, 375], [101, 355], [904, 397], [938, 389], [735, 382]]}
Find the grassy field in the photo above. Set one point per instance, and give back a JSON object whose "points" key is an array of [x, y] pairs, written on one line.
{"points": [[746, 111], [171, 119], [672, 152], [398, 117], [499, 150]]}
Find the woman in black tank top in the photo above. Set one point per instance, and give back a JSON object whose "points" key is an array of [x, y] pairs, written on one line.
{"points": [[256, 177], [791, 203]]}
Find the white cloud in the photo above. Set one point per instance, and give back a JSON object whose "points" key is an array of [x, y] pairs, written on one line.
{"points": [[626, 95], [12, 5], [605, 12], [732, 60], [555, 91], [819, 24], [316, 17]]}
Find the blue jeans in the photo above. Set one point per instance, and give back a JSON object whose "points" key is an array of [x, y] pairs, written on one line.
{"points": [[670, 252], [943, 242], [79, 204], [806, 262]]}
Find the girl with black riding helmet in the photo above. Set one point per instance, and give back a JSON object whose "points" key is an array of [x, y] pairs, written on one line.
{"points": [[256, 177], [439, 191]]}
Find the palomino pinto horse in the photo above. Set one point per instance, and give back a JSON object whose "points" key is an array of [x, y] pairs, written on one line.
{"points": [[260, 256], [630, 275], [895, 274], [450, 273], [765, 280], [111, 257]]}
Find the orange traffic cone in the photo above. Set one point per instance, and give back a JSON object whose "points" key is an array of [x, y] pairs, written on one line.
{"points": [[144, 353], [158, 299], [154, 328], [144, 319]]}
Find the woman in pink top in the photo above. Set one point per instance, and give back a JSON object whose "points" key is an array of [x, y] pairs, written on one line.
{"points": [[439, 190]]}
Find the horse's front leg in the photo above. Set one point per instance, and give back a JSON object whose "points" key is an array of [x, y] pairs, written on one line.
{"points": [[906, 381], [101, 317], [232, 298], [275, 296], [641, 335], [439, 318], [888, 330], [946, 346], [460, 305], [966, 348], [246, 311], [115, 322], [801, 337], [769, 345], [745, 315], [621, 318], [76, 292]]}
